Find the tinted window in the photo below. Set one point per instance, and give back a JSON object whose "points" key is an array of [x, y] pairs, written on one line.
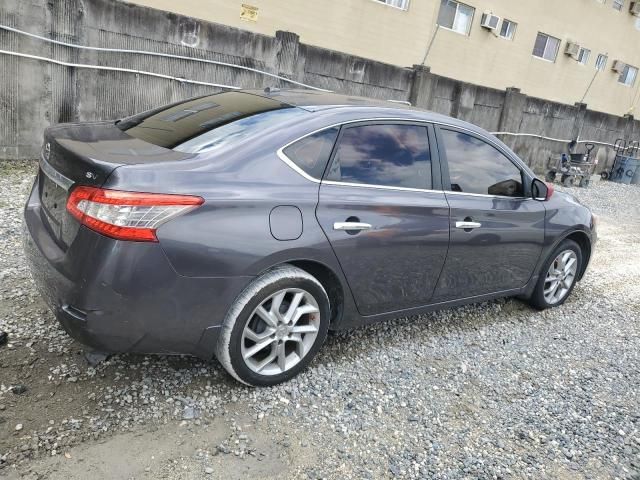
{"points": [[391, 155], [205, 123], [477, 167], [312, 153]]}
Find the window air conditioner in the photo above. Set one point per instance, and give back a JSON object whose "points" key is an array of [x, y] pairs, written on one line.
{"points": [[572, 49], [618, 66], [490, 21]]}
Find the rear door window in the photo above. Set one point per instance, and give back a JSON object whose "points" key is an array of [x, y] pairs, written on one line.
{"points": [[312, 152], [386, 155], [480, 168]]}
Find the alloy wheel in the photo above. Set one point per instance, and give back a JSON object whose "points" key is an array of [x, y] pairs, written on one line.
{"points": [[560, 276], [280, 331]]}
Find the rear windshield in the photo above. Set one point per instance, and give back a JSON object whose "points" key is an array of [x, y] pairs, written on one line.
{"points": [[207, 123]]}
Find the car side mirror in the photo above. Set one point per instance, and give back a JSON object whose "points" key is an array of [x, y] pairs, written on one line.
{"points": [[541, 191]]}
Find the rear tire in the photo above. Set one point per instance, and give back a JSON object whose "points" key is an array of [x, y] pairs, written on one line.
{"points": [[558, 276], [275, 327]]}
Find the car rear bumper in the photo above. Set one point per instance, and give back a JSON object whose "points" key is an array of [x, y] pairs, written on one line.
{"points": [[117, 296]]}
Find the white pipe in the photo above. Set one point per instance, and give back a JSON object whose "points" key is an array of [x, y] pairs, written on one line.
{"points": [[551, 139], [158, 54], [116, 69]]}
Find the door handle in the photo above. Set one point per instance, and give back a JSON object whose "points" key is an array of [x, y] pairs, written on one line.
{"points": [[468, 225], [351, 226]]}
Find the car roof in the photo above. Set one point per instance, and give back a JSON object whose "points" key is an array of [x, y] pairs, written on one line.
{"points": [[319, 101], [314, 100]]}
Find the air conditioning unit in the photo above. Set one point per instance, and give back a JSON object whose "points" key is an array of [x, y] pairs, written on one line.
{"points": [[572, 49], [618, 66], [634, 9], [490, 21]]}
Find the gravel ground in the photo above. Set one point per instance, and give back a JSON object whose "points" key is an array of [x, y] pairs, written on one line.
{"points": [[494, 390]]}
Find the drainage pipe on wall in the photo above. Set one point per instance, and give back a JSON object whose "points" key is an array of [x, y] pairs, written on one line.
{"points": [[163, 55], [116, 69], [542, 137]]}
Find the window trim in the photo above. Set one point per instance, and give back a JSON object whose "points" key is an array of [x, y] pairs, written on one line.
{"points": [[383, 2], [293, 162], [435, 164], [444, 163], [604, 65], [635, 77], [473, 17], [515, 29], [555, 58], [437, 156], [586, 60]]}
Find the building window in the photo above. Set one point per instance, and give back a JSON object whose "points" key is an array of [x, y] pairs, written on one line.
{"points": [[546, 47], [508, 29], [401, 4], [628, 75], [455, 16], [601, 62], [583, 55], [618, 4]]}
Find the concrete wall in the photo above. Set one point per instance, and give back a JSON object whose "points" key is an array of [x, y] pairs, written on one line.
{"points": [[34, 94], [371, 29]]}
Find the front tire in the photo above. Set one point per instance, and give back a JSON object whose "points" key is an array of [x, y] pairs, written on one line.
{"points": [[558, 276], [275, 327]]}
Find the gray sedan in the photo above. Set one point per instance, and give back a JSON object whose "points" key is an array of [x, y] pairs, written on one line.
{"points": [[245, 225]]}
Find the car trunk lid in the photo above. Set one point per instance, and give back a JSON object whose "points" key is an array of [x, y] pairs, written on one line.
{"points": [[86, 154]]}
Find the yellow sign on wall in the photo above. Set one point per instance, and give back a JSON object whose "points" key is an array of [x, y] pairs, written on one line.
{"points": [[249, 12]]}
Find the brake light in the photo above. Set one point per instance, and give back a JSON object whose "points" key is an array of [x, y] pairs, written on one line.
{"points": [[550, 190], [127, 215]]}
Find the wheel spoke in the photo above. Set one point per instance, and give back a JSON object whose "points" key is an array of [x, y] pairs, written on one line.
{"points": [[552, 288], [266, 317], [297, 338], [276, 302], [568, 280], [568, 268], [303, 310], [257, 347], [268, 359], [257, 337], [293, 306], [304, 329], [282, 357]]}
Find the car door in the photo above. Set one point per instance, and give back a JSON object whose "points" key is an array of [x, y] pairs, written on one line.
{"points": [[382, 208], [497, 229]]}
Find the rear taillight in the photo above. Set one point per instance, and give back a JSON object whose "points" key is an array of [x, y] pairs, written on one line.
{"points": [[127, 215]]}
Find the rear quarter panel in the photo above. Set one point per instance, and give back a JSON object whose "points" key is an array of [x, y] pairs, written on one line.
{"points": [[230, 234]]}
